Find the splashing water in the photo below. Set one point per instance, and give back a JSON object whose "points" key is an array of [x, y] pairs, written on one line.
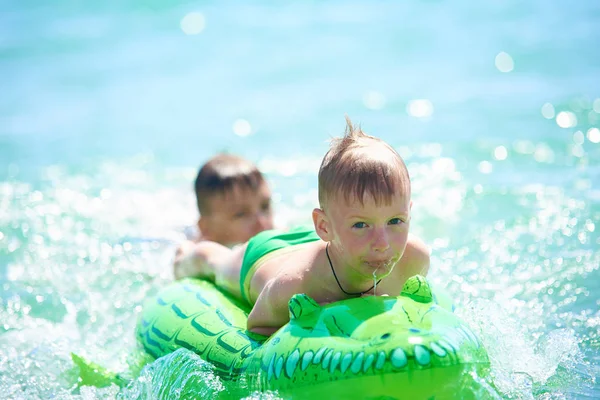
{"points": [[94, 198]]}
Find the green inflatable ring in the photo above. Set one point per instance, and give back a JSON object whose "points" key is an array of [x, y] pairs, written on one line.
{"points": [[409, 346]]}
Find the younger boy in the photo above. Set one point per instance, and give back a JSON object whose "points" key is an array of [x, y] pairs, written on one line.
{"points": [[234, 202], [359, 244]]}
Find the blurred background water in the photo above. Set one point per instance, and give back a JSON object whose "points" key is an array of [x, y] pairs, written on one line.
{"points": [[108, 108]]}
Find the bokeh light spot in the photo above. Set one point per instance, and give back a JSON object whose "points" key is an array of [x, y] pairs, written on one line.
{"points": [[548, 111], [577, 151], [543, 153], [193, 23], [578, 138], [485, 167], [593, 135], [500, 153], [566, 119], [420, 108], [524, 147], [504, 62], [241, 127], [374, 100]]}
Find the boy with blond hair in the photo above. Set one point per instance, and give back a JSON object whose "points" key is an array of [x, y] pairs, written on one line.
{"points": [[359, 243]]}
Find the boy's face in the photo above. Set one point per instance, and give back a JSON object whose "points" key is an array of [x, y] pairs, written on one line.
{"points": [[368, 238], [237, 215]]}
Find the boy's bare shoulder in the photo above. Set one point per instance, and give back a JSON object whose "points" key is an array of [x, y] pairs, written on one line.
{"points": [[417, 254], [416, 245], [296, 270]]}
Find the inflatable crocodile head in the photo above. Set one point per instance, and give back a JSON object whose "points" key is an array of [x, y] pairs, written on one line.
{"points": [[410, 346], [369, 339]]}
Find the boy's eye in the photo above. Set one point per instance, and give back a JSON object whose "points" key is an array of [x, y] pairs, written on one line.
{"points": [[266, 206], [240, 214], [359, 225], [395, 221]]}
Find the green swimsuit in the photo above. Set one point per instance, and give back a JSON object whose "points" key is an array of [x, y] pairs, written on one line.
{"points": [[267, 242]]}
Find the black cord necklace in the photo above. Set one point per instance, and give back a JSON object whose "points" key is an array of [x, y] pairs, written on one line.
{"points": [[338, 281]]}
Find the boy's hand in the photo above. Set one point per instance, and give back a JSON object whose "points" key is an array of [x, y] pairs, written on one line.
{"points": [[187, 261]]}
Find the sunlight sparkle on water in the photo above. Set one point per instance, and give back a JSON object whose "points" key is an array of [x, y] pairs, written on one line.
{"points": [[193, 23], [548, 111], [504, 62]]}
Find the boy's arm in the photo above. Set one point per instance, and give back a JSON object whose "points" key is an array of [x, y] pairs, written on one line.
{"points": [[199, 259], [270, 312]]}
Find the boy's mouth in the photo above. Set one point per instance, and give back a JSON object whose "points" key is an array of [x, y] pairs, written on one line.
{"points": [[376, 264]]}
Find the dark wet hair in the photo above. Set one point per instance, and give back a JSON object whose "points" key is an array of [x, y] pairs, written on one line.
{"points": [[358, 164], [222, 174]]}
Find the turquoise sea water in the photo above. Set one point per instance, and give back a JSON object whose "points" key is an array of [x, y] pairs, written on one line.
{"points": [[108, 108]]}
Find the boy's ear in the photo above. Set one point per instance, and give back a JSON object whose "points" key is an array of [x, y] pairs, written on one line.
{"points": [[203, 226], [322, 226]]}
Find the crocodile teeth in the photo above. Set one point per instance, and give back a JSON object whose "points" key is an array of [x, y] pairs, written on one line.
{"points": [[291, 363], [306, 359], [278, 367], [334, 361], [398, 358], [270, 369], [422, 355], [327, 359], [380, 360], [437, 349], [319, 355], [368, 362], [346, 360], [357, 363]]}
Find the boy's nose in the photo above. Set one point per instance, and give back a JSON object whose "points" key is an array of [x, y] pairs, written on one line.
{"points": [[262, 222], [381, 242]]}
